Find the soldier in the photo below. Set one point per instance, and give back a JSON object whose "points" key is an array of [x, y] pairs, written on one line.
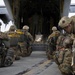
{"points": [[14, 41], [52, 42], [28, 38], [6, 53], [68, 24]]}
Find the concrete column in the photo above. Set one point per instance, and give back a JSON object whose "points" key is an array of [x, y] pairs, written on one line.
{"points": [[9, 9], [66, 7]]}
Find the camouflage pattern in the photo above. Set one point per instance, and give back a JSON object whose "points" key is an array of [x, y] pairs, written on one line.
{"points": [[60, 40], [52, 44], [65, 66], [9, 59], [25, 40], [14, 41], [27, 34], [67, 43], [21, 43], [6, 53], [59, 50], [61, 56], [65, 56], [28, 38], [64, 22]]}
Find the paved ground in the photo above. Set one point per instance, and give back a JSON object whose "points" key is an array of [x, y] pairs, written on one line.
{"points": [[36, 64]]}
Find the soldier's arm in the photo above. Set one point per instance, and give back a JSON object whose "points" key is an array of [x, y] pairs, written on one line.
{"points": [[48, 40], [30, 37], [58, 43]]}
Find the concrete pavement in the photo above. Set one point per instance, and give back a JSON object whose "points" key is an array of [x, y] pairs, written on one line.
{"points": [[36, 64]]}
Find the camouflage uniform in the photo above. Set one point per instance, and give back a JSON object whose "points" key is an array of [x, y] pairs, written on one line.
{"points": [[27, 39], [14, 41], [27, 34], [52, 42], [6, 53], [66, 59], [68, 24], [59, 49], [21, 44]]}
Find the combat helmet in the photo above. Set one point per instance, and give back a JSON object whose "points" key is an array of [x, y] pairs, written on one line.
{"points": [[25, 27], [54, 28], [64, 22], [12, 28]]}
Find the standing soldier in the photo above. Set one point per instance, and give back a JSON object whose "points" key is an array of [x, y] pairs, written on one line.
{"points": [[52, 42]]}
